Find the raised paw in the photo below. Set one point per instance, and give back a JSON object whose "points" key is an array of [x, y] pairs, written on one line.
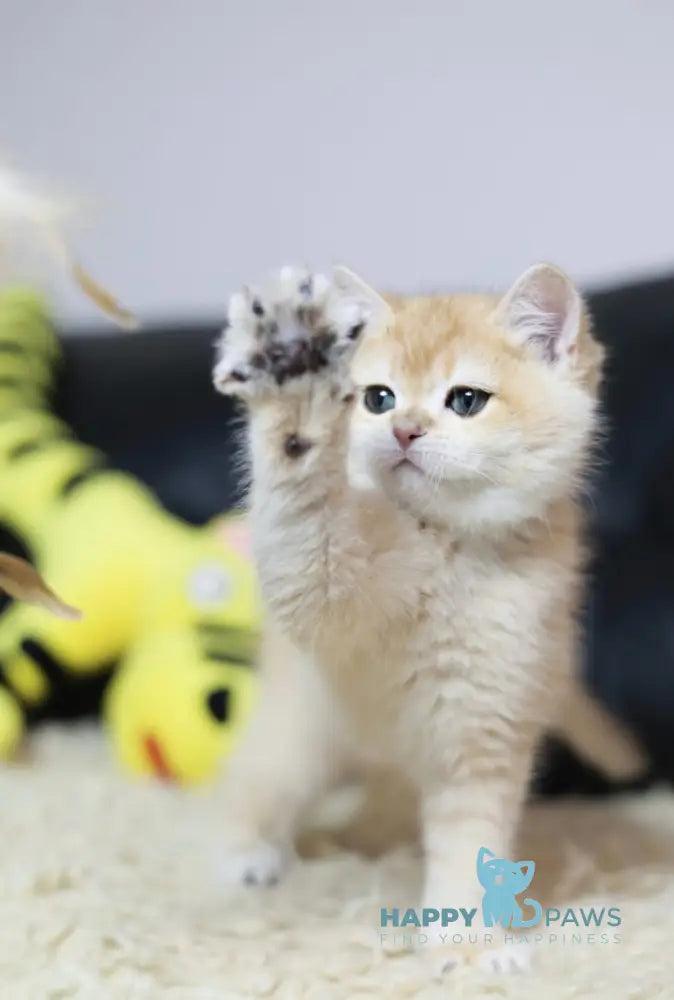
{"points": [[301, 327]]}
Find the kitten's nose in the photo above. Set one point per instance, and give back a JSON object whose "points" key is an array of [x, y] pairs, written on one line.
{"points": [[406, 435]]}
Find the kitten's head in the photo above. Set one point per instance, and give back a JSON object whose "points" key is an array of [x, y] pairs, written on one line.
{"points": [[474, 411], [513, 876]]}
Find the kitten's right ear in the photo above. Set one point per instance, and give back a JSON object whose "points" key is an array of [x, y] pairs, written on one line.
{"points": [[527, 868], [376, 309], [543, 309], [483, 855]]}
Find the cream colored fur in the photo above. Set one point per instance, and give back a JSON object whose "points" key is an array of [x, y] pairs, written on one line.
{"points": [[423, 614]]}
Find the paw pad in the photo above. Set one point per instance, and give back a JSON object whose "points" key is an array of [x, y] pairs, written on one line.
{"points": [[295, 446], [302, 325]]}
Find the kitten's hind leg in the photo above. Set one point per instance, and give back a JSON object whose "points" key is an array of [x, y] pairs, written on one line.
{"points": [[288, 754]]}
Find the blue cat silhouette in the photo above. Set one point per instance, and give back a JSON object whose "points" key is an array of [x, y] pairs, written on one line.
{"points": [[502, 880]]}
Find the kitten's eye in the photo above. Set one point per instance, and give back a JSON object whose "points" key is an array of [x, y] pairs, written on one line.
{"points": [[466, 402], [379, 398]]}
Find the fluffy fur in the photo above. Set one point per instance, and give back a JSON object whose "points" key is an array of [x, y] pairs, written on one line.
{"points": [[421, 598]]}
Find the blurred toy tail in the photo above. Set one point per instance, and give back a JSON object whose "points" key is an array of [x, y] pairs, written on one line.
{"points": [[20, 204]]}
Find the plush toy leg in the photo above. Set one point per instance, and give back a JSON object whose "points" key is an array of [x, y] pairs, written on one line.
{"points": [[11, 724]]}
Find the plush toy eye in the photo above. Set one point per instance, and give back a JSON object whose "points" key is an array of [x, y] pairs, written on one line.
{"points": [[218, 704], [465, 401], [379, 398]]}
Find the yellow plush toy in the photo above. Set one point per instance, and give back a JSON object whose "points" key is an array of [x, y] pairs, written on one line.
{"points": [[169, 611]]}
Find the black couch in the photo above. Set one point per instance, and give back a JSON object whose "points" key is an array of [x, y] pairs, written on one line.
{"points": [[146, 400]]}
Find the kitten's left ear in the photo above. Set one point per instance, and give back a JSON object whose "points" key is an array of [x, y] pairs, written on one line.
{"points": [[376, 309], [543, 309], [484, 855]]}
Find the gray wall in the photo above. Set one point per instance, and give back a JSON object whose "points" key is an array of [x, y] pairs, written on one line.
{"points": [[427, 143]]}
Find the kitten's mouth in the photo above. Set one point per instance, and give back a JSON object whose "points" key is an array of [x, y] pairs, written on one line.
{"points": [[407, 463]]}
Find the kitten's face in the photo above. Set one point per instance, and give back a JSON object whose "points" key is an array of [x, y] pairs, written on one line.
{"points": [[461, 419], [513, 876]]}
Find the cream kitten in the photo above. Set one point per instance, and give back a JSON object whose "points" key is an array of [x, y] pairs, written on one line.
{"points": [[416, 466]]}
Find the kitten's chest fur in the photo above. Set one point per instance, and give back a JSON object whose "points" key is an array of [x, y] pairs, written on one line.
{"points": [[486, 633]]}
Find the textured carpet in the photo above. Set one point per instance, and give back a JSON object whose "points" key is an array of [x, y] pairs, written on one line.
{"points": [[109, 890]]}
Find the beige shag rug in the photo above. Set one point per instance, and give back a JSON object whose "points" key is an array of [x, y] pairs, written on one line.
{"points": [[109, 891]]}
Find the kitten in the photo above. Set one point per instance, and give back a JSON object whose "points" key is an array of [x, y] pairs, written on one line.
{"points": [[416, 466]]}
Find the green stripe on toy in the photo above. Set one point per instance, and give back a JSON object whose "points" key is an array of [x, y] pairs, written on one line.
{"points": [[28, 349]]}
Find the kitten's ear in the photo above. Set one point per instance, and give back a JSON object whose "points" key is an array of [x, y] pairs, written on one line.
{"points": [[543, 309], [527, 868], [484, 854], [377, 310]]}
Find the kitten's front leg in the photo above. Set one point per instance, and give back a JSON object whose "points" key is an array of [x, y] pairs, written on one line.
{"points": [[286, 352], [476, 807]]}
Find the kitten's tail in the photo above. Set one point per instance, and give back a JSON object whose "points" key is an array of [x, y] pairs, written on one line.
{"points": [[537, 914], [599, 738], [22, 205]]}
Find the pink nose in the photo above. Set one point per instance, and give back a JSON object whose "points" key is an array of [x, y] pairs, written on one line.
{"points": [[406, 435]]}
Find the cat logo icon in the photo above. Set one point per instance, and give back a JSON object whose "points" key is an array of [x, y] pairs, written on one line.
{"points": [[502, 881]]}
